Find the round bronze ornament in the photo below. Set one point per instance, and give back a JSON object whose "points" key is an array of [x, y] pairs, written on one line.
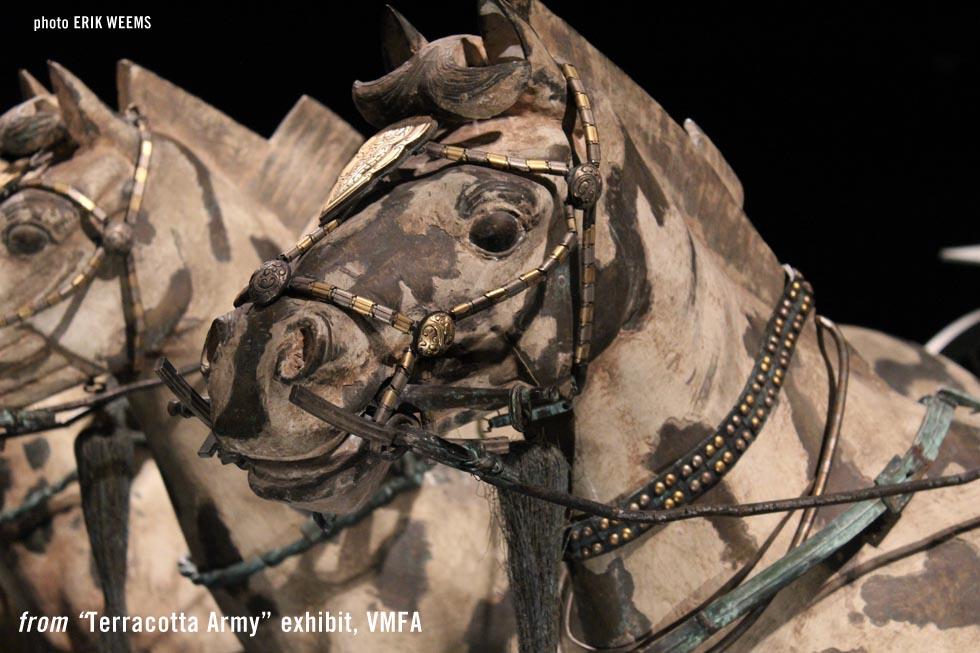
{"points": [[118, 238], [269, 282], [584, 185], [436, 334]]}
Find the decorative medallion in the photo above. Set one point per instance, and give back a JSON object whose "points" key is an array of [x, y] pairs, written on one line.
{"points": [[379, 154], [584, 185], [269, 282], [436, 334]]}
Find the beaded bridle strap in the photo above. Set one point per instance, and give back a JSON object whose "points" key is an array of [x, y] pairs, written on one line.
{"points": [[433, 334], [112, 237]]}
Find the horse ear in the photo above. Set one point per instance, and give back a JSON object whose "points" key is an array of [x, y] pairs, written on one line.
{"points": [[399, 39], [508, 37], [86, 117], [30, 88]]}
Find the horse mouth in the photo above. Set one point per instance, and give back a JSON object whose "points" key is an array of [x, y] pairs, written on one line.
{"points": [[338, 481]]}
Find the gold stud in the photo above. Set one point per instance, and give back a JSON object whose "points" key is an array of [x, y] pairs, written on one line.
{"points": [[576, 535], [740, 444], [728, 457], [706, 478], [766, 359], [719, 441], [756, 388], [585, 552], [764, 367], [730, 428], [627, 533], [678, 496], [696, 461], [777, 381], [755, 422], [736, 419], [749, 399], [793, 294], [695, 485], [644, 499], [668, 504], [604, 523], [720, 466], [744, 409], [670, 479], [597, 548], [659, 488], [760, 412], [709, 450], [587, 531], [634, 506], [614, 539], [796, 285], [686, 471]]}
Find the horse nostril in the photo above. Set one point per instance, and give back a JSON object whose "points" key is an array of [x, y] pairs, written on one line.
{"points": [[217, 334], [302, 350]]}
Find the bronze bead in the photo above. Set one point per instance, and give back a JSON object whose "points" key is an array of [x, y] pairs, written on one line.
{"points": [[695, 485], [756, 388], [585, 552], [686, 471], [696, 461], [576, 535], [644, 499], [604, 523], [750, 400], [740, 444], [728, 457], [614, 539], [744, 409], [720, 466], [706, 477], [670, 479], [587, 531], [730, 428], [597, 547]]}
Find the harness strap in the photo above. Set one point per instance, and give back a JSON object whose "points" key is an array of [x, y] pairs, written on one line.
{"points": [[842, 530]]}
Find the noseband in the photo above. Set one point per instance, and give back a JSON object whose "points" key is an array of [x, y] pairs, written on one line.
{"points": [[112, 237]]}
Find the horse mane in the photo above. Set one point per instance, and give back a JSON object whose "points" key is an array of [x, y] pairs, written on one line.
{"points": [[693, 174], [290, 174]]}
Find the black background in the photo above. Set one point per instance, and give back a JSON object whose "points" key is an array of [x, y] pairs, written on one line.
{"points": [[853, 129]]}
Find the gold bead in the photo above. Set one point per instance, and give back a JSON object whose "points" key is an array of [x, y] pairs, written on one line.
{"points": [[614, 539], [668, 504], [696, 461], [659, 488], [686, 471], [796, 285], [604, 523], [764, 367], [576, 535], [744, 409], [627, 533], [728, 457], [720, 466], [634, 506], [719, 441], [644, 499], [695, 485], [587, 531], [678, 496], [749, 400], [670, 479], [709, 450], [585, 552], [755, 422], [597, 548]]}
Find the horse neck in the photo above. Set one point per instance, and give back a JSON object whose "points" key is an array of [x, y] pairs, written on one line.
{"points": [[190, 273]]}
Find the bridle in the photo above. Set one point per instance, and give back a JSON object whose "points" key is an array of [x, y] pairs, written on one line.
{"points": [[112, 237]]}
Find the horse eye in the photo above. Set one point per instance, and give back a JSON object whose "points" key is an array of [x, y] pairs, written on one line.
{"points": [[26, 239], [497, 232]]}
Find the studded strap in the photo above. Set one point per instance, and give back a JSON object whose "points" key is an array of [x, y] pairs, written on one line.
{"points": [[701, 468]]}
